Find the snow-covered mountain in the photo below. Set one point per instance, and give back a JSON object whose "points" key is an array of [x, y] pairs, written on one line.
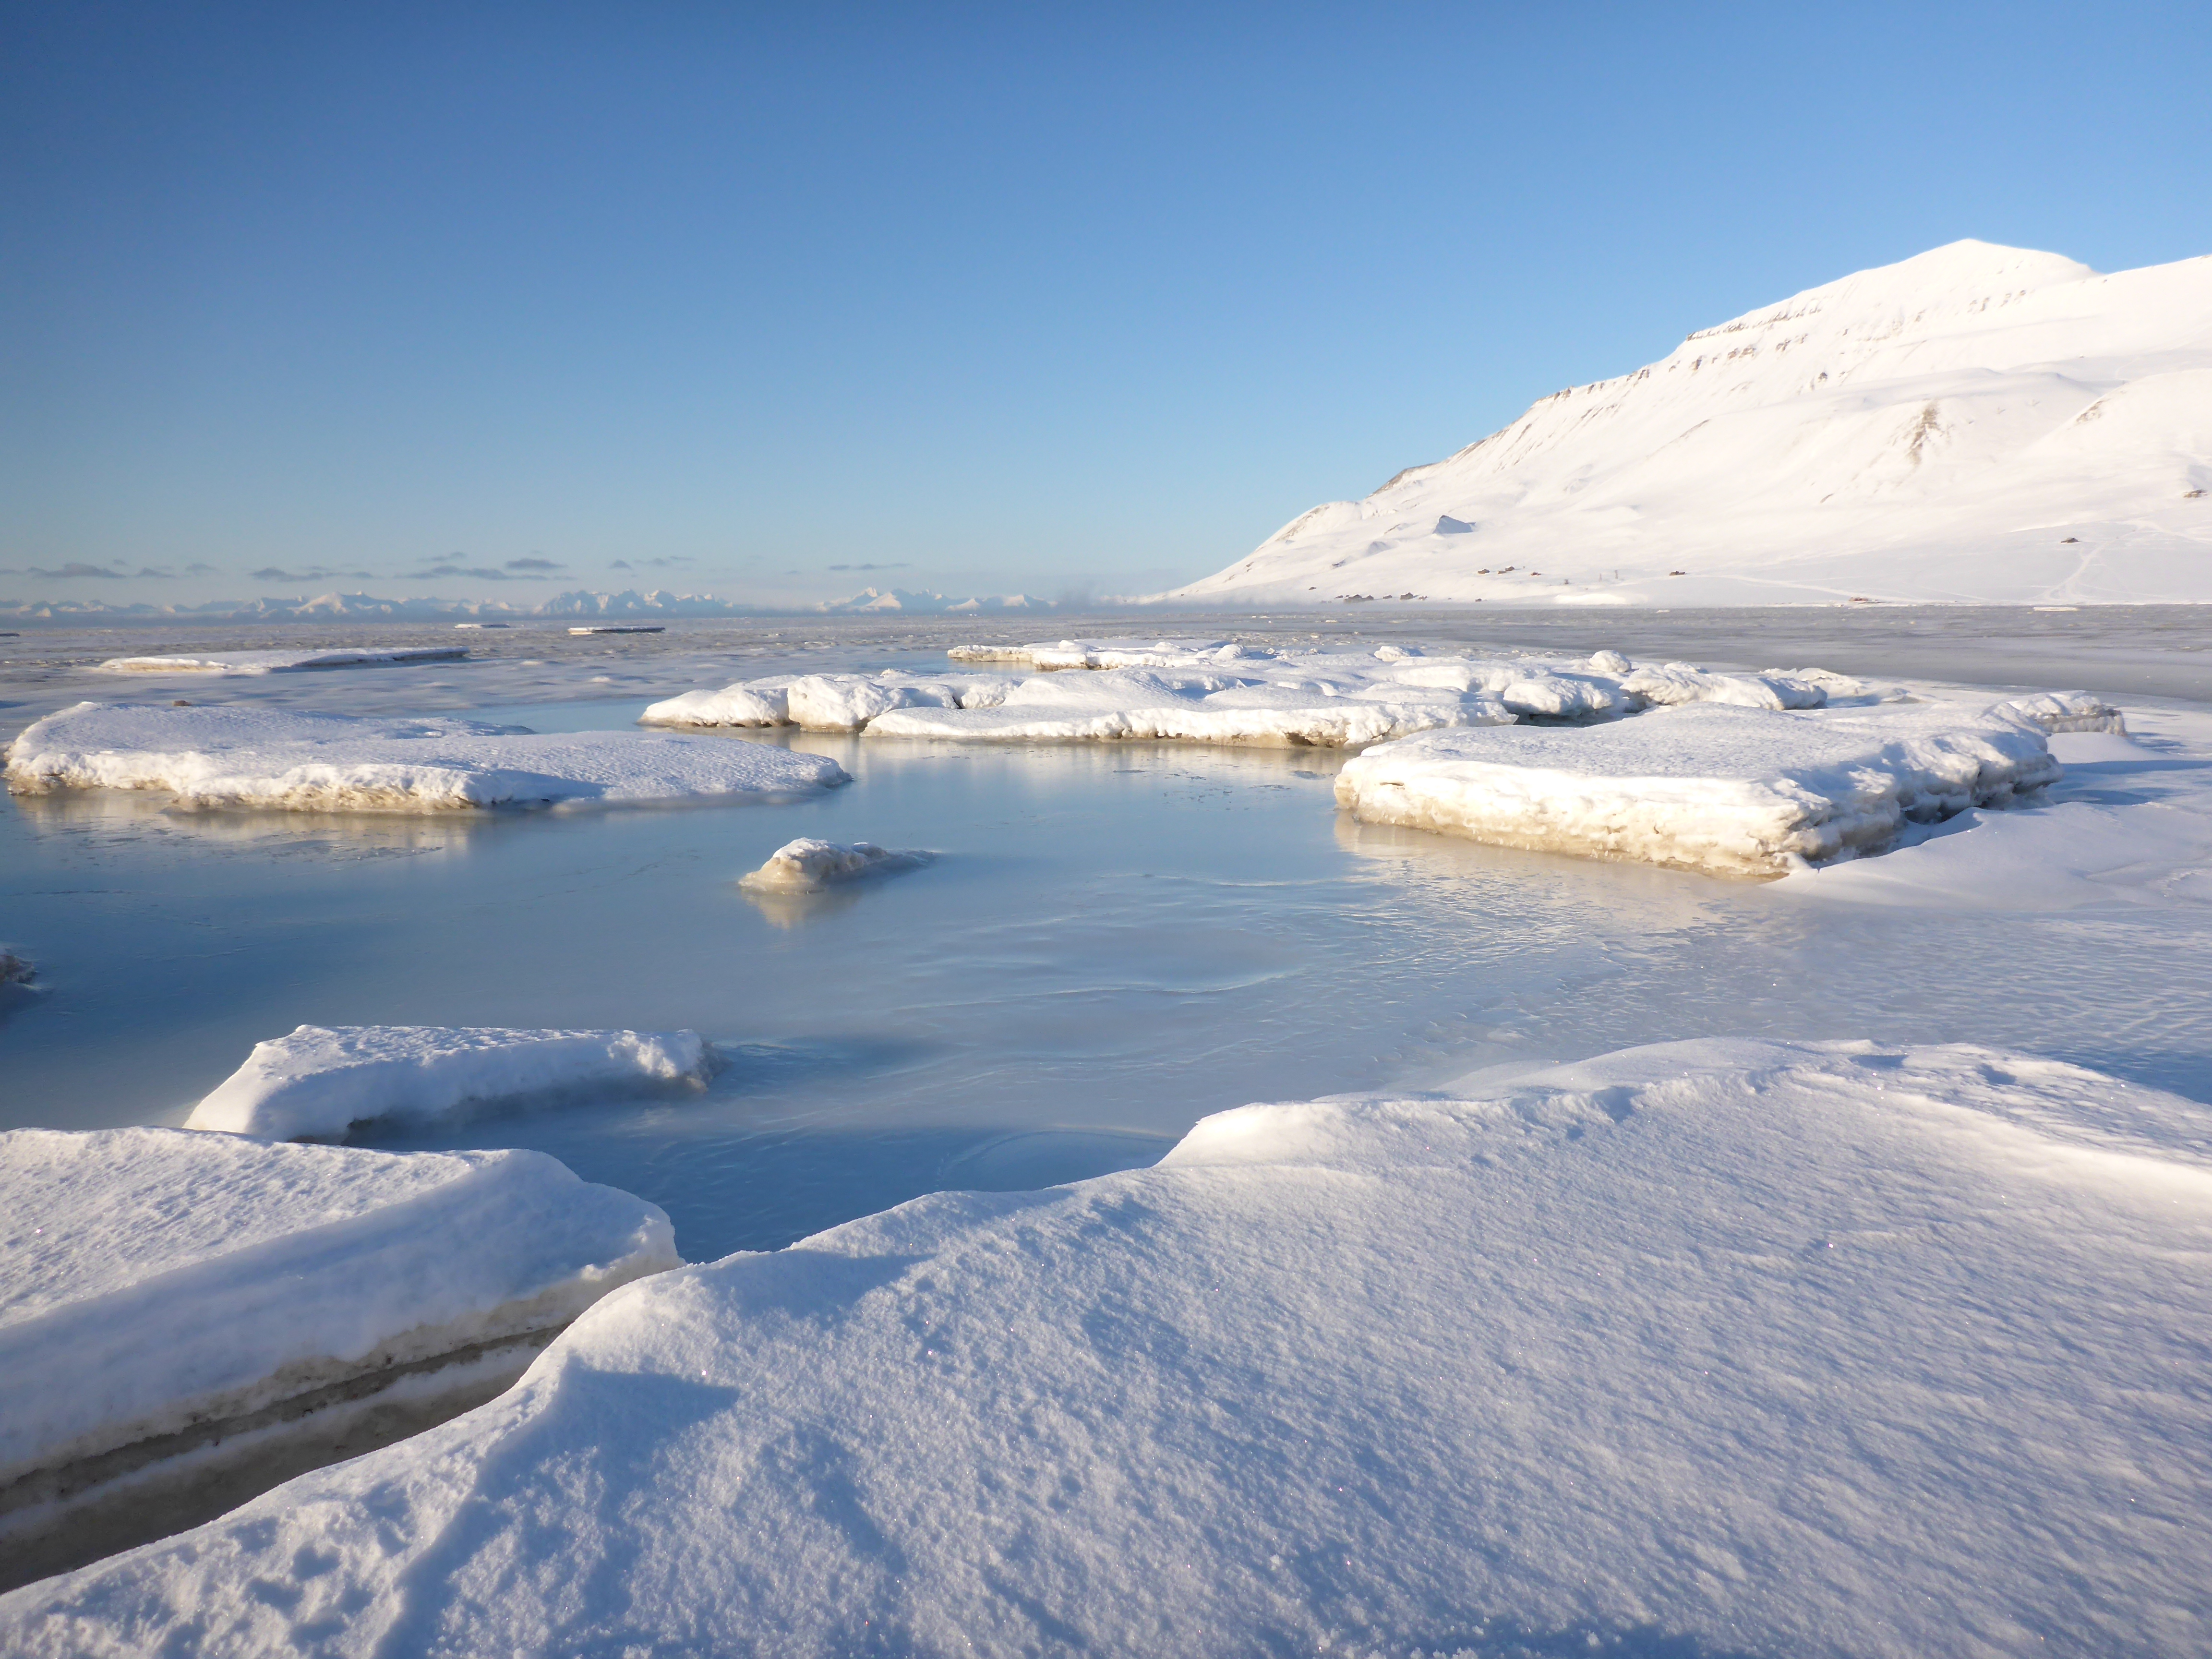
{"points": [[1977, 423]]}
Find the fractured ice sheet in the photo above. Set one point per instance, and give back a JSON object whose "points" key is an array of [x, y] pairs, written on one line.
{"points": [[283, 662], [320, 1081], [809, 864], [1730, 1348], [240, 756], [178, 1308], [1707, 786]]}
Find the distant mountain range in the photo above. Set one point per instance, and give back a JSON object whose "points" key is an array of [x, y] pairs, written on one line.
{"points": [[1976, 424], [580, 603]]}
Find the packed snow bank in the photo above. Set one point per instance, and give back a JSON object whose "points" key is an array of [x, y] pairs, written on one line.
{"points": [[807, 866], [267, 757], [179, 1310], [283, 662], [321, 1081], [1710, 786], [1725, 1347]]}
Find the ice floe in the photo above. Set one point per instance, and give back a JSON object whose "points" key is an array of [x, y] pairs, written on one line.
{"points": [[1723, 1347], [807, 864], [1706, 785], [234, 756], [284, 662], [320, 1080], [2069, 711], [185, 1318]]}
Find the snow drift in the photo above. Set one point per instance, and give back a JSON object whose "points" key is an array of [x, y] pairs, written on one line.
{"points": [[1819, 1350], [320, 1081], [1978, 423], [181, 1313]]}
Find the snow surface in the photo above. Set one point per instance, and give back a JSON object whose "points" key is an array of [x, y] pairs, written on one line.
{"points": [[154, 1281], [1727, 1348], [1978, 423], [283, 662], [1707, 786], [321, 1081], [238, 755], [809, 864]]}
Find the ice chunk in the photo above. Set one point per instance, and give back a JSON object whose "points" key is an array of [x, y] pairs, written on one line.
{"points": [[846, 702], [807, 864], [186, 1318], [1711, 1347], [1679, 683], [248, 756], [321, 1080], [284, 662], [1706, 785], [2069, 711], [757, 702]]}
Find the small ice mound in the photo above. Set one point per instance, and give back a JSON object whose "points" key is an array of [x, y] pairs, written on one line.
{"points": [[187, 1319], [320, 1081], [808, 866], [2070, 711], [1677, 683], [1708, 786]]}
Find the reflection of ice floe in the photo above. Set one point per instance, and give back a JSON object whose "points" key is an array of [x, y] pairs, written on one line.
{"points": [[284, 662], [249, 756], [187, 1319], [1649, 1319], [808, 866], [1222, 692], [321, 1081], [1707, 786]]}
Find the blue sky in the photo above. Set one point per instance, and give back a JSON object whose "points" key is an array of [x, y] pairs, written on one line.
{"points": [[1062, 300]]}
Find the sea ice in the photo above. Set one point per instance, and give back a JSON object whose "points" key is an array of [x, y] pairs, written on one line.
{"points": [[284, 662], [250, 757], [181, 1313], [2069, 711], [1707, 786], [320, 1081], [807, 866], [1726, 1346]]}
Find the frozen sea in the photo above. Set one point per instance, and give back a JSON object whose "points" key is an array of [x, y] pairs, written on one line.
{"points": [[1115, 939]]}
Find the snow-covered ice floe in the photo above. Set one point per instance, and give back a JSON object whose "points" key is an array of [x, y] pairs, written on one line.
{"points": [[267, 757], [186, 1318], [320, 1081], [2069, 711], [808, 866], [1707, 786], [1219, 692], [1734, 1347], [284, 662]]}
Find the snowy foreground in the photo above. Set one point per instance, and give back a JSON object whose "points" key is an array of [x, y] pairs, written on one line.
{"points": [[320, 1082], [1977, 424], [240, 756], [283, 662], [162, 1291], [1725, 1347]]}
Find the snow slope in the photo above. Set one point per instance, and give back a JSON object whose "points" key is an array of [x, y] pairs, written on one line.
{"points": [[1977, 423], [320, 1082], [164, 1290], [1723, 1347], [241, 756]]}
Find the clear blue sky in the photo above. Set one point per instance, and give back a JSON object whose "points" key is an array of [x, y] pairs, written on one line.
{"points": [[1045, 298]]}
